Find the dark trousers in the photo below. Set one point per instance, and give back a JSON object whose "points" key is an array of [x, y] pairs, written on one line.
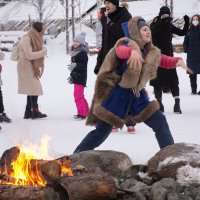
{"points": [[174, 88], [31, 102], [1, 102], [157, 122], [193, 82]]}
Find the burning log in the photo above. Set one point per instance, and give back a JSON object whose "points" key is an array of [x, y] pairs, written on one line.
{"points": [[7, 158], [39, 169], [89, 186]]}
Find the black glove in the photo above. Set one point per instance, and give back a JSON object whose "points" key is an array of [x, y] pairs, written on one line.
{"points": [[186, 19]]}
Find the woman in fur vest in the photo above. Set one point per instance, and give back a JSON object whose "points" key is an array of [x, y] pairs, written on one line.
{"points": [[30, 67], [119, 96]]}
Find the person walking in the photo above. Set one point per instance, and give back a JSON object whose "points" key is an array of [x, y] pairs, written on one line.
{"points": [[162, 32], [30, 67], [3, 116], [191, 46], [119, 91], [78, 74]]}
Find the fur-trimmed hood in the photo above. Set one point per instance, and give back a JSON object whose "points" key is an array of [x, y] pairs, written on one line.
{"points": [[135, 77]]}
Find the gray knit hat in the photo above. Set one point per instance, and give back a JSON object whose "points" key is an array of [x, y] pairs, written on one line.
{"points": [[80, 37], [114, 2], [141, 22]]}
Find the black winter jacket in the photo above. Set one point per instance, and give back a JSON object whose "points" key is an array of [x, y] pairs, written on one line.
{"points": [[79, 73], [111, 32], [162, 32]]}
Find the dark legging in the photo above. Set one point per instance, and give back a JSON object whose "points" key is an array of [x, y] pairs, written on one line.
{"points": [[193, 82], [174, 90]]}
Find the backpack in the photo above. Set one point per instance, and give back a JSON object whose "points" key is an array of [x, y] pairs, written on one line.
{"points": [[15, 52]]}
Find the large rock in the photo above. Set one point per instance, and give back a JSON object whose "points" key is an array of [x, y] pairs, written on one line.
{"points": [[112, 162], [180, 161]]}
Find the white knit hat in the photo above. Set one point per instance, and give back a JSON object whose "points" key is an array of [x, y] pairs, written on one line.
{"points": [[80, 37]]}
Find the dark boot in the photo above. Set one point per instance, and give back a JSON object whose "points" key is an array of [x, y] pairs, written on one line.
{"points": [[193, 83], [37, 114], [177, 108], [28, 113], [161, 105]]}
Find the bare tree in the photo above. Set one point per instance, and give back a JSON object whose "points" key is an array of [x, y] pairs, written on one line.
{"points": [[44, 9], [172, 7]]}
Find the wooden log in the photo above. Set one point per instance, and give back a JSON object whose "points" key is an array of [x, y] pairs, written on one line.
{"points": [[47, 170], [90, 186], [11, 192], [7, 158]]}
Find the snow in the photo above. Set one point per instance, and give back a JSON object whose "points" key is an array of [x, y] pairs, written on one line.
{"points": [[58, 103], [188, 174]]}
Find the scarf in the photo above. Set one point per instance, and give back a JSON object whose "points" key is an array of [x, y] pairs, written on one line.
{"points": [[37, 43], [76, 50]]}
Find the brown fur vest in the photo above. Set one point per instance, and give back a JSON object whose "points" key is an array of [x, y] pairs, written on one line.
{"points": [[134, 77]]}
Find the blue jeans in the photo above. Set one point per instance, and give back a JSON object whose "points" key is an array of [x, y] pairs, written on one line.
{"points": [[157, 122]]}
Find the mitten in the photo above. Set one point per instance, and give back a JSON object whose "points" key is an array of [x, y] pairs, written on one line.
{"points": [[71, 67], [186, 19]]}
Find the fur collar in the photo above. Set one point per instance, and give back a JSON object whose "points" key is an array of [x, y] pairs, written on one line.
{"points": [[135, 76]]}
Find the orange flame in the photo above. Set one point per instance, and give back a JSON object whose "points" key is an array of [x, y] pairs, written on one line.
{"points": [[23, 170]]}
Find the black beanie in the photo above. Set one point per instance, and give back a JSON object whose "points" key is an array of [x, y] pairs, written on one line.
{"points": [[164, 10], [114, 2]]}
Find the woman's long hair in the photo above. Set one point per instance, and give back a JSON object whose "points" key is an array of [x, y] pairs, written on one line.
{"points": [[38, 26]]}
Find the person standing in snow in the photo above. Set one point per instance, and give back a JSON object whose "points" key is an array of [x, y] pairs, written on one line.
{"points": [[119, 90], [112, 21], [162, 32], [191, 46], [30, 67], [78, 74], [3, 116], [111, 28]]}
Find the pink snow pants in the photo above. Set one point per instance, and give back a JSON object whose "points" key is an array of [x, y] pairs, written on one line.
{"points": [[81, 102]]}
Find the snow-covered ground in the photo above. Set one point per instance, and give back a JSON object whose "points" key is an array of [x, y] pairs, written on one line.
{"points": [[57, 102], [59, 105]]}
